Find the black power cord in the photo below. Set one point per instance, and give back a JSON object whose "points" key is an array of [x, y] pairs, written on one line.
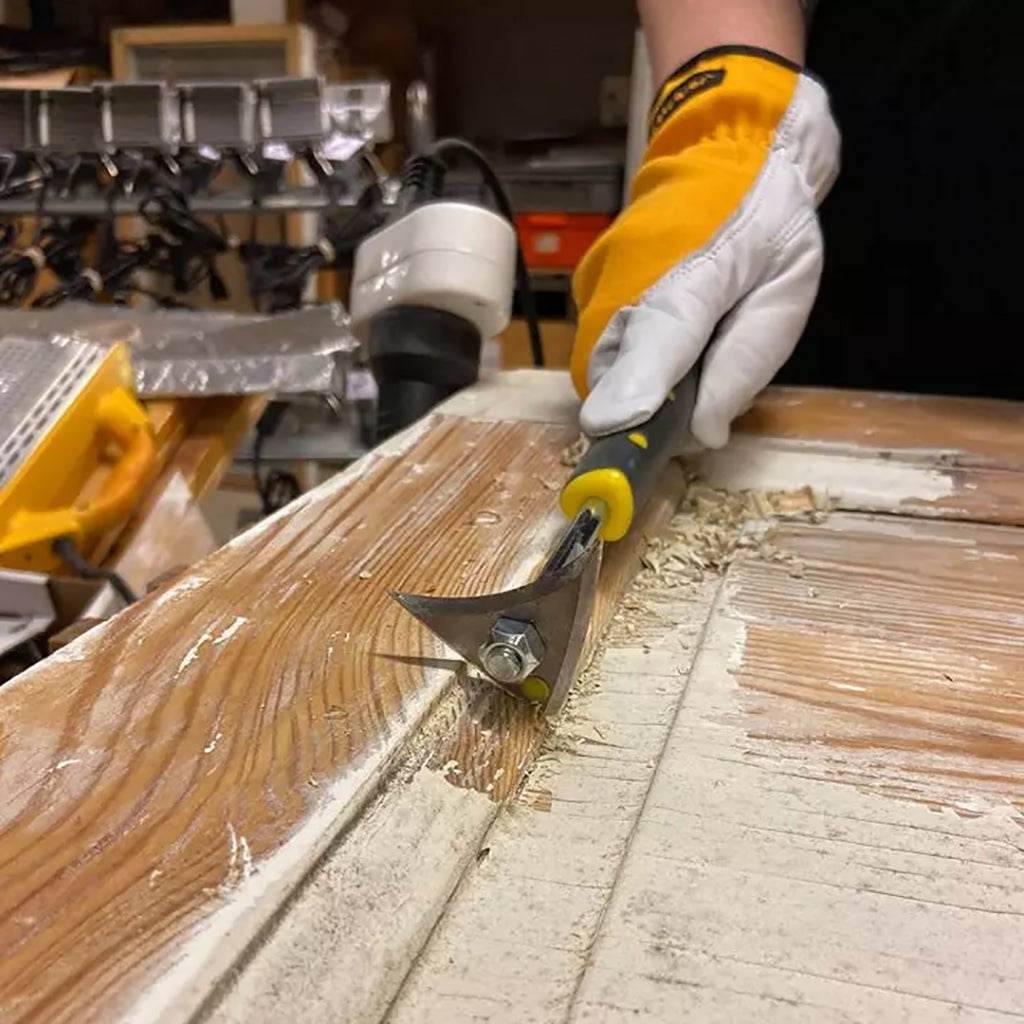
{"points": [[58, 246], [277, 273], [193, 245], [279, 487], [64, 548], [449, 147], [113, 276]]}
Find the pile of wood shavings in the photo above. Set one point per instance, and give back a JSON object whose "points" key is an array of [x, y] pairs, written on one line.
{"points": [[712, 528]]}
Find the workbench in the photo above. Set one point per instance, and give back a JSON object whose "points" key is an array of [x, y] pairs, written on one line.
{"points": [[787, 788]]}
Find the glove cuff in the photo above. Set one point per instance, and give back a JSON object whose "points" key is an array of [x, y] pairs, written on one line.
{"points": [[742, 88]]}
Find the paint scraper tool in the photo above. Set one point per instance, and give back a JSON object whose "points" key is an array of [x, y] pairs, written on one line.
{"points": [[529, 640]]}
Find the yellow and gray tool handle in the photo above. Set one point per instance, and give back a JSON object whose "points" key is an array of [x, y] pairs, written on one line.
{"points": [[620, 470]]}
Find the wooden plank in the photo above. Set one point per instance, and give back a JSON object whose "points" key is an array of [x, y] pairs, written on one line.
{"points": [[512, 943], [948, 458], [172, 774], [432, 820], [124, 40], [217, 433], [819, 821], [869, 882], [971, 431]]}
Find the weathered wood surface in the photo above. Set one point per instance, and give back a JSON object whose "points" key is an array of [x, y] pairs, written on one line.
{"points": [[170, 776], [950, 458], [792, 794], [535, 882], [170, 779]]}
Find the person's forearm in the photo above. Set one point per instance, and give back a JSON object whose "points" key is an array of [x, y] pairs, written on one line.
{"points": [[676, 30]]}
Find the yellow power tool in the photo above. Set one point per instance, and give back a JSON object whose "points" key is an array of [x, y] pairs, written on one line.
{"points": [[77, 449]]}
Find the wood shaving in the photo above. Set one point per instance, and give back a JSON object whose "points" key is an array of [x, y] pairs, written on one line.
{"points": [[713, 528], [573, 453]]}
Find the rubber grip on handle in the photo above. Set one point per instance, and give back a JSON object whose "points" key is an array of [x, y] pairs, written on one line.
{"points": [[621, 469]]}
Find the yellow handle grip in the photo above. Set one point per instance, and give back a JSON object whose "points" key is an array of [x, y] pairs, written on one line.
{"points": [[123, 422]]}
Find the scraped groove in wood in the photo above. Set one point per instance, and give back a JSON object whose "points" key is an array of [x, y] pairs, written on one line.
{"points": [[496, 738], [516, 935], [778, 877], [153, 771], [903, 644]]}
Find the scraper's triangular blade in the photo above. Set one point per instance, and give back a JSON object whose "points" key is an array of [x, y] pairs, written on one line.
{"points": [[558, 604]]}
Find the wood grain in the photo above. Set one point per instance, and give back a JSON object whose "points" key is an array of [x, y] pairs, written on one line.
{"points": [[169, 779], [974, 431], [948, 458], [157, 773], [792, 795], [899, 643]]}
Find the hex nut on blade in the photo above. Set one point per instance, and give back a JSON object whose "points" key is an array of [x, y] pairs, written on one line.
{"points": [[513, 650]]}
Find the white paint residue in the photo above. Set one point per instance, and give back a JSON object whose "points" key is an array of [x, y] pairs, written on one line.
{"points": [[238, 845], [228, 633], [330, 651], [527, 396], [993, 556], [860, 478], [206, 956], [402, 442], [450, 767], [66, 762], [184, 586], [232, 847], [74, 652], [246, 858], [212, 745], [206, 636], [193, 652]]}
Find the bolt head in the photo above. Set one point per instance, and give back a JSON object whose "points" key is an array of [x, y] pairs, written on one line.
{"points": [[512, 651]]}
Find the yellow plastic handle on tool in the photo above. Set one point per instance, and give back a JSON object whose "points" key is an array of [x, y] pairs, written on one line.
{"points": [[122, 422]]}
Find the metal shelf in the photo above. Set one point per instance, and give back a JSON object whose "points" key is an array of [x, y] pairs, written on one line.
{"points": [[94, 204]]}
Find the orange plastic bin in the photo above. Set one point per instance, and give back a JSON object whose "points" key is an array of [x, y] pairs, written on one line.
{"points": [[557, 241]]}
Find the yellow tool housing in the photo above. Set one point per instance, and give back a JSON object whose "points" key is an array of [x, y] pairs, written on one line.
{"points": [[90, 459]]}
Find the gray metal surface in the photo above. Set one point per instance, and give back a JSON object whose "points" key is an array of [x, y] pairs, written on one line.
{"points": [[291, 110], [90, 203], [138, 114], [26, 608], [38, 381], [218, 114], [558, 604]]}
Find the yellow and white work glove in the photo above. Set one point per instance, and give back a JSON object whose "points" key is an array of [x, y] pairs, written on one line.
{"points": [[721, 226]]}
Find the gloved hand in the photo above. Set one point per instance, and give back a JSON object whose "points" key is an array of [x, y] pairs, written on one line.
{"points": [[721, 224]]}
